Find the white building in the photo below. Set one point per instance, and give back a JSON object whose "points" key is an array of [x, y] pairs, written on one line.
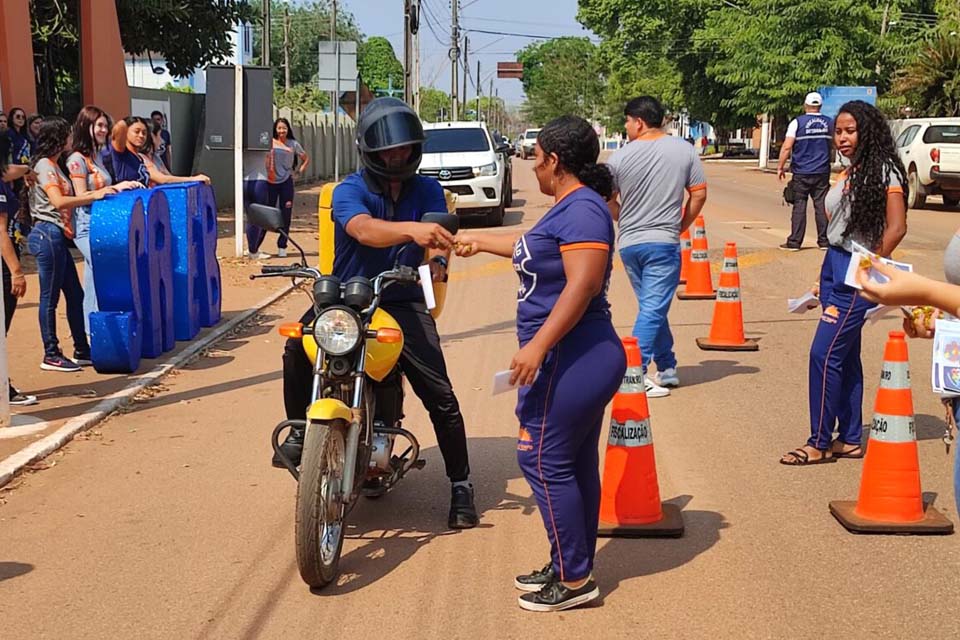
{"points": [[141, 73]]}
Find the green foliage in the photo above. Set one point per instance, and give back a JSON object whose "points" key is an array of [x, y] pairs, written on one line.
{"points": [[562, 76], [930, 83], [172, 87], [309, 24], [379, 67], [303, 97], [433, 103]]}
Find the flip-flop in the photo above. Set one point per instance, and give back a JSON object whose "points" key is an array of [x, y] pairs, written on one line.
{"points": [[855, 454], [802, 459]]}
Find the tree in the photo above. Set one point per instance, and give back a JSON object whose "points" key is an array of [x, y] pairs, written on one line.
{"points": [[186, 34], [434, 104], [378, 65], [560, 77], [931, 82]]}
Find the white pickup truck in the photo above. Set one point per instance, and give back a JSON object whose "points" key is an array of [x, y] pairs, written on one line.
{"points": [[930, 151]]}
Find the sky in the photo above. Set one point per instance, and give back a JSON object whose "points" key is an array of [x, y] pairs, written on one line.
{"points": [[550, 18]]}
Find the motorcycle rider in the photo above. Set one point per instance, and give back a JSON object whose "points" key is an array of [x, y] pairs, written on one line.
{"points": [[376, 214]]}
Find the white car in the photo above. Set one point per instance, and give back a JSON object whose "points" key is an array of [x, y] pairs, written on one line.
{"points": [[930, 151], [467, 162], [528, 142]]}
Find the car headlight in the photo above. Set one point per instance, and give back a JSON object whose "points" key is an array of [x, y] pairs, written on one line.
{"points": [[337, 331], [486, 170]]}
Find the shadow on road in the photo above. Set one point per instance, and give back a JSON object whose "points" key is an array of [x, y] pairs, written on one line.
{"points": [[10, 570], [393, 528], [711, 371], [506, 326], [621, 559]]}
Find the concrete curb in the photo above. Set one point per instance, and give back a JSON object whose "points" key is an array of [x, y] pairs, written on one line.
{"points": [[42, 448]]}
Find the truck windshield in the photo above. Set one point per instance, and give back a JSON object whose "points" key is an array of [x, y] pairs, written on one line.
{"points": [[942, 134], [455, 141]]}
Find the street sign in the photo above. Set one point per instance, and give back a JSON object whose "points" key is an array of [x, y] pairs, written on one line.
{"points": [[327, 72], [510, 70]]}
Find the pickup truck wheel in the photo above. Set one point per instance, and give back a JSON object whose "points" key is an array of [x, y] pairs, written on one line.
{"points": [[495, 217], [917, 198]]}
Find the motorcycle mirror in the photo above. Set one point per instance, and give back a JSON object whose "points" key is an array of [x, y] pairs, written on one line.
{"points": [[265, 217], [448, 221]]}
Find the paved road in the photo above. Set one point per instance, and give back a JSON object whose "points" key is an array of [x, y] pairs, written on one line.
{"points": [[168, 522]]}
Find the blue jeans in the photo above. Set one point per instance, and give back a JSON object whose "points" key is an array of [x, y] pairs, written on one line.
{"points": [[956, 457], [81, 224], [654, 272], [57, 273]]}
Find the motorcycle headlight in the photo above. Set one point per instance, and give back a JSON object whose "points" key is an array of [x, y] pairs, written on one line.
{"points": [[486, 170], [337, 331]]}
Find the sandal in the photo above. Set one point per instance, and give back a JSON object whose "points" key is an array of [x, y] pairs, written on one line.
{"points": [[801, 458], [855, 454]]}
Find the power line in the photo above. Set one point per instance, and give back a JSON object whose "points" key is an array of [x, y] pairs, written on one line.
{"points": [[525, 35]]}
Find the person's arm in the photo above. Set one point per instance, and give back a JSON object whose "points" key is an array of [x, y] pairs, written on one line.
{"points": [[614, 205], [159, 177], [304, 160], [788, 141], [18, 282], [896, 226], [695, 201], [15, 172], [48, 182], [908, 288], [372, 232], [584, 270], [499, 244]]}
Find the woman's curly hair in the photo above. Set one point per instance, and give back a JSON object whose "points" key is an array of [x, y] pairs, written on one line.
{"points": [[874, 160], [577, 147]]}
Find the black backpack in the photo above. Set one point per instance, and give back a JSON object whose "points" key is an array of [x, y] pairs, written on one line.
{"points": [[789, 195]]}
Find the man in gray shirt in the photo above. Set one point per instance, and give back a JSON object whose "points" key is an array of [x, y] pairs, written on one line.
{"points": [[651, 174]]}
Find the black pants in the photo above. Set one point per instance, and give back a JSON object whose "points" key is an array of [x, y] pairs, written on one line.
{"points": [[9, 302], [816, 187], [424, 367]]}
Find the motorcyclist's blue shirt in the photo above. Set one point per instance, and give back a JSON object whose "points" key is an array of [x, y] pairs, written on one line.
{"points": [[360, 194]]}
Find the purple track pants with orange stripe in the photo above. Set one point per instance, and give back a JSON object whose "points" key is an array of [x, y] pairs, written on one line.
{"points": [[561, 416], [836, 373]]}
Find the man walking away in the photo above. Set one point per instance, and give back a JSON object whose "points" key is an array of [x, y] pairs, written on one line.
{"points": [[809, 142], [650, 175]]}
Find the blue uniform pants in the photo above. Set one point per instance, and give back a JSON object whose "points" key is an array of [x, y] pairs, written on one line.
{"points": [[836, 373], [561, 416]]}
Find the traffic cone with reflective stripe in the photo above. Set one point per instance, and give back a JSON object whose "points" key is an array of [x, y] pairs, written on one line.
{"points": [[630, 504], [726, 331], [890, 500], [699, 282], [686, 246]]}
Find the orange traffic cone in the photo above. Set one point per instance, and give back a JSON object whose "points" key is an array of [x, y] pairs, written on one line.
{"points": [[890, 500], [630, 499], [726, 332], [685, 247], [699, 282]]}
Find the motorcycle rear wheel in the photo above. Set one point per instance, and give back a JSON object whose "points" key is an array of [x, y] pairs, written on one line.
{"points": [[320, 511]]}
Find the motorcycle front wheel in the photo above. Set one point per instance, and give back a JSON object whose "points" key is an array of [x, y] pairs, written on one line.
{"points": [[320, 510]]}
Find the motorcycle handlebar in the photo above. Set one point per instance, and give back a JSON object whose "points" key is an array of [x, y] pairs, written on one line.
{"points": [[277, 268]]}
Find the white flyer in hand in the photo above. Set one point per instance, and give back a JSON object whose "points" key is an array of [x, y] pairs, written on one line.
{"points": [[804, 303], [501, 382], [426, 283], [863, 256]]}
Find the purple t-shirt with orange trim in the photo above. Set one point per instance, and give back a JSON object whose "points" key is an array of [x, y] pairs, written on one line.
{"points": [[579, 221]]}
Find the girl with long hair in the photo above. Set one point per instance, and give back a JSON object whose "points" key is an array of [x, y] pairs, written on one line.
{"points": [[87, 174], [52, 200], [122, 156], [17, 132], [868, 206], [285, 161], [567, 337]]}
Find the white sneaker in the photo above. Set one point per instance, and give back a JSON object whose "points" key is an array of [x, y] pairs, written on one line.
{"points": [[281, 253], [667, 378], [259, 255], [654, 390]]}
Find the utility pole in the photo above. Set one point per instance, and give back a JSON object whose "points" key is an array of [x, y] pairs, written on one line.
{"points": [[479, 90], [489, 95], [454, 59], [415, 80], [407, 51], [286, 49], [333, 38], [883, 29], [466, 72], [265, 35]]}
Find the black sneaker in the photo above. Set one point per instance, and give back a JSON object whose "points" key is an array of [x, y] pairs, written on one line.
{"points": [[788, 247], [59, 363], [463, 515], [21, 399], [82, 358], [292, 447], [556, 597], [535, 580]]}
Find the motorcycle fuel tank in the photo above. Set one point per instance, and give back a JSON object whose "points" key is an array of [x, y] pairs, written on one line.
{"points": [[381, 357]]}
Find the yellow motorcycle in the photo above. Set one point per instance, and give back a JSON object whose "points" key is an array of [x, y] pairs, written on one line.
{"points": [[356, 409]]}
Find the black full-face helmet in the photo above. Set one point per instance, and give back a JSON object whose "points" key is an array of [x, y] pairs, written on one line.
{"points": [[388, 123]]}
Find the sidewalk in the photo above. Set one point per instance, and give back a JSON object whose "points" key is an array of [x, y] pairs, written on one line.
{"points": [[64, 396]]}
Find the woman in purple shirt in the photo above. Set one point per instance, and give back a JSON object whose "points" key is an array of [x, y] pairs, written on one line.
{"points": [[123, 160]]}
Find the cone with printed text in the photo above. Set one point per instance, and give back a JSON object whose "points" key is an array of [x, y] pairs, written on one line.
{"points": [[630, 504], [890, 500], [726, 330], [686, 246], [699, 282]]}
